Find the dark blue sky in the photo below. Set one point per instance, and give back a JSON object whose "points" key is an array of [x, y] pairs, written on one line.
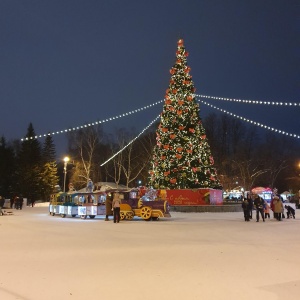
{"points": [[64, 63]]}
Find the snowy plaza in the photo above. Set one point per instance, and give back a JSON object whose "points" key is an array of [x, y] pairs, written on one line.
{"points": [[187, 256]]}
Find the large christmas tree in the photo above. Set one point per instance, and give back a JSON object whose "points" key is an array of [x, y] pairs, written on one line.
{"points": [[181, 158]]}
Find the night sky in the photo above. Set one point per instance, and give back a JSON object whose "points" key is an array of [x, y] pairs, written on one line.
{"points": [[64, 63]]}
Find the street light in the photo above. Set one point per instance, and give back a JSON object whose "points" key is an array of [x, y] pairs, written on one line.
{"points": [[66, 160]]}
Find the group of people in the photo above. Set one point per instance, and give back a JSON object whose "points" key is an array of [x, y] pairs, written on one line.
{"points": [[263, 208], [16, 202]]}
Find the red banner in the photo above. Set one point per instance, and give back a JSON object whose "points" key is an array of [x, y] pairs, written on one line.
{"points": [[192, 197]]}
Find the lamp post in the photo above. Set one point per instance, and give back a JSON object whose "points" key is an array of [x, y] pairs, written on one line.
{"points": [[66, 160]]}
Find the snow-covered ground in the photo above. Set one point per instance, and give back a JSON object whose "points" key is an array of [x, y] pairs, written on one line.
{"points": [[189, 256]]}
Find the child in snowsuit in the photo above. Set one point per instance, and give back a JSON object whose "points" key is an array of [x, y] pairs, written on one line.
{"points": [[290, 211]]}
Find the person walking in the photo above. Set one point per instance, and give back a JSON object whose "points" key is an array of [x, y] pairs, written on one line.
{"points": [[245, 206], [278, 208], [259, 206], [32, 202], [116, 207]]}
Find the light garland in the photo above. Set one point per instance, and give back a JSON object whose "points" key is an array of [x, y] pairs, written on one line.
{"points": [[158, 102], [250, 101], [250, 121], [93, 123], [130, 141]]}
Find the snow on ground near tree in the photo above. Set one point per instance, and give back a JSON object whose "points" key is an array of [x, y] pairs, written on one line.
{"points": [[188, 256]]}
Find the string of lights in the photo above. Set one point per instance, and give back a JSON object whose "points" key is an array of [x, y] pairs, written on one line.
{"points": [[291, 104], [250, 101], [131, 141], [92, 123], [250, 121]]}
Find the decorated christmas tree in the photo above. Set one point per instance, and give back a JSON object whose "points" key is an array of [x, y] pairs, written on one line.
{"points": [[181, 158]]}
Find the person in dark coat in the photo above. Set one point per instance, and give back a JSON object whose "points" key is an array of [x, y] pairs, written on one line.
{"points": [[116, 204], [108, 206], [259, 206], [290, 211], [17, 203], [250, 201], [245, 206], [21, 201], [12, 201], [2, 202]]}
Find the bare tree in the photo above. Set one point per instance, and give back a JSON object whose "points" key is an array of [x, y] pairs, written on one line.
{"points": [[248, 171], [116, 170], [83, 145], [138, 156], [278, 152], [113, 166], [133, 158]]}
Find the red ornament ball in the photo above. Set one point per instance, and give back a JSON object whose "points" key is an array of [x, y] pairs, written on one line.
{"points": [[180, 42]]}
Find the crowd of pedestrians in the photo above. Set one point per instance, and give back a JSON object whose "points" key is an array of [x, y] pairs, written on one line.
{"points": [[17, 202], [14, 202], [263, 208]]}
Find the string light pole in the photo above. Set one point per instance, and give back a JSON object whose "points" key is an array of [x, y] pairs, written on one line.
{"points": [[66, 160]]}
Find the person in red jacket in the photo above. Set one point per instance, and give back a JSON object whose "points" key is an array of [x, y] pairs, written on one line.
{"points": [[267, 210]]}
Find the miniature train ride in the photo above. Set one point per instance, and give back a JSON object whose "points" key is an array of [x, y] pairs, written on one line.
{"points": [[92, 204]]}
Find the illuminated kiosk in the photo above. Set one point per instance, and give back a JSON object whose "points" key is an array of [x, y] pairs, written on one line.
{"points": [[264, 192]]}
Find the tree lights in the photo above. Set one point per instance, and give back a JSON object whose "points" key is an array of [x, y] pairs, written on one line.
{"points": [[181, 157]]}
